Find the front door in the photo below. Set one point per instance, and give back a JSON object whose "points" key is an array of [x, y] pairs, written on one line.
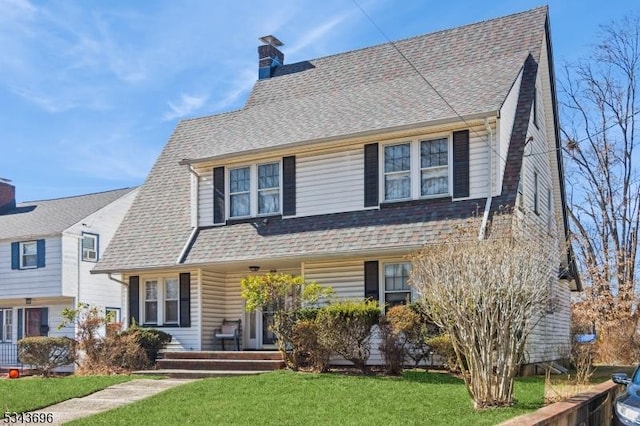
{"points": [[258, 334], [35, 322]]}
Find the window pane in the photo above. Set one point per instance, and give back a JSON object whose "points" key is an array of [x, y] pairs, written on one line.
{"points": [[435, 181], [29, 248], [240, 205], [397, 158], [29, 260], [397, 185], [433, 153], [171, 311], [268, 176], [396, 276], [151, 290], [239, 180], [172, 290], [269, 201], [89, 242], [151, 312]]}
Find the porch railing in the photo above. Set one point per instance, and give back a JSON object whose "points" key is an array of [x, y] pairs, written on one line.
{"points": [[9, 354]]}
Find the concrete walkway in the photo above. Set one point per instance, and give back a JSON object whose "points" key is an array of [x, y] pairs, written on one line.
{"points": [[109, 398]]}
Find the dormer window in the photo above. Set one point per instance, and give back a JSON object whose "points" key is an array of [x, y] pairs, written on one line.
{"points": [[254, 190]]}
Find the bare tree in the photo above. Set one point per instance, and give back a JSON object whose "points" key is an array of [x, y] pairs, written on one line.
{"points": [[599, 99], [486, 294]]}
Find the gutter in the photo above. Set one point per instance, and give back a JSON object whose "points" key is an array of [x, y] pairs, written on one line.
{"points": [[183, 253], [487, 206]]}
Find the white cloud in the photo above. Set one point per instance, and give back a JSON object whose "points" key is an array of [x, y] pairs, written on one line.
{"points": [[185, 106], [317, 33]]}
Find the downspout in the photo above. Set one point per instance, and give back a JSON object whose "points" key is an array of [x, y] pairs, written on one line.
{"points": [[188, 244], [194, 218], [487, 206]]}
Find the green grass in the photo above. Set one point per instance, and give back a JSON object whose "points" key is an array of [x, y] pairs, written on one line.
{"points": [[32, 393], [289, 398]]}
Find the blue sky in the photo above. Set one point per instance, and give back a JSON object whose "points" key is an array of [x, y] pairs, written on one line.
{"points": [[90, 91]]}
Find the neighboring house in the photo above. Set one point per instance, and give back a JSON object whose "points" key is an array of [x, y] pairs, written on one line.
{"points": [[47, 249], [338, 167]]}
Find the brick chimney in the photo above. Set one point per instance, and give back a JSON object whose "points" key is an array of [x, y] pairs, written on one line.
{"points": [[269, 56], [7, 195]]}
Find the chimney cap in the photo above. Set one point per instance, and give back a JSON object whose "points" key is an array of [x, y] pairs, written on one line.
{"points": [[271, 40], [5, 180]]}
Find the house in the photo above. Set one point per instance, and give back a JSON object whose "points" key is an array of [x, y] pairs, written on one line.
{"points": [[338, 167], [47, 249]]}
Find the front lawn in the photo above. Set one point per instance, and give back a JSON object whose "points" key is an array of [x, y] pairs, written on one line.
{"points": [[32, 393], [285, 397]]}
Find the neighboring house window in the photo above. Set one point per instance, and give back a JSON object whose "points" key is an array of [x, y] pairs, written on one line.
{"points": [[434, 168], [240, 192], [151, 302], [268, 188], [535, 107], [520, 193], [171, 300], [397, 171], [535, 193], [28, 255], [254, 190], [112, 315], [396, 285], [6, 325], [89, 247]]}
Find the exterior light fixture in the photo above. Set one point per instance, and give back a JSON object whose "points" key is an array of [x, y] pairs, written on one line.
{"points": [[27, 300], [254, 268]]}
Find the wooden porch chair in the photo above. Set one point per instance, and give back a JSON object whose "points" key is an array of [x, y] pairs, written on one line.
{"points": [[230, 330]]}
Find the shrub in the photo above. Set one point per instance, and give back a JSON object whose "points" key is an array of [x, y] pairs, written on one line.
{"points": [[47, 353], [345, 328], [414, 325], [150, 339], [392, 347], [442, 345], [307, 347]]}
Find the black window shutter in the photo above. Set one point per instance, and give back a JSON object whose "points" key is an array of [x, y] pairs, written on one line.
{"points": [[289, 186], [2, 314], [371, 280], [15, 255], [19, 324], [44, 321], [461, 164], [218, 195], [371, 175], [185, 299], [40, 255], [134, 300]]}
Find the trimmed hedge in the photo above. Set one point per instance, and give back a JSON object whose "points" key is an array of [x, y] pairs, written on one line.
{"points": [[47, 353]]}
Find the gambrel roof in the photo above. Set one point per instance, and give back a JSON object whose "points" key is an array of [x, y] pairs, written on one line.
{"points": [[356, 93], [46, 217]]}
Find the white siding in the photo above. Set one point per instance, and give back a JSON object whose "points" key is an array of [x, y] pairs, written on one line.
{"points": [[479, 160], [205, 198], [507, 117], [345, 277], [37, 282], [330, 182], [213, 305]]}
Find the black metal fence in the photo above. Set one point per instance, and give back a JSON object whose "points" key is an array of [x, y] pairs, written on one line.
{"points": [[9, 354]]}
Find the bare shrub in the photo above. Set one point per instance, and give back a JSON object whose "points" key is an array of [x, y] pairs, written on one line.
{"points": [[47, 353], [485, 294]]}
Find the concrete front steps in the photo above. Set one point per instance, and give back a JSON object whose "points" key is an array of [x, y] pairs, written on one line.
{"points": [[192, 364]]}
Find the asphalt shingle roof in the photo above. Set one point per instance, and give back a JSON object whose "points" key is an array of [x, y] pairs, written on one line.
{"points": [[356, 92], [47, 217]]}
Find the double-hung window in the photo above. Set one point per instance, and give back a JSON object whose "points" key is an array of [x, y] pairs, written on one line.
{"points": [[416, 169], [397, 171], [6, 325], [396, 284], [28, 255], [268, 188], [89, 247], [162, 301], [240, 192], [254, 190], [151, 302], [434, 167], [171, 300]]}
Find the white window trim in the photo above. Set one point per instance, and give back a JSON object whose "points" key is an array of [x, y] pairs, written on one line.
{"points": [[400, 172], [6, 313], [21, 254], [95, 237], [415, 171], [253, 189], [160, 301], [382, 288]]}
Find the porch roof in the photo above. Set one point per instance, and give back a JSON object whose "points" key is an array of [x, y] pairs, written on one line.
{"points": [[404, 227]]}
